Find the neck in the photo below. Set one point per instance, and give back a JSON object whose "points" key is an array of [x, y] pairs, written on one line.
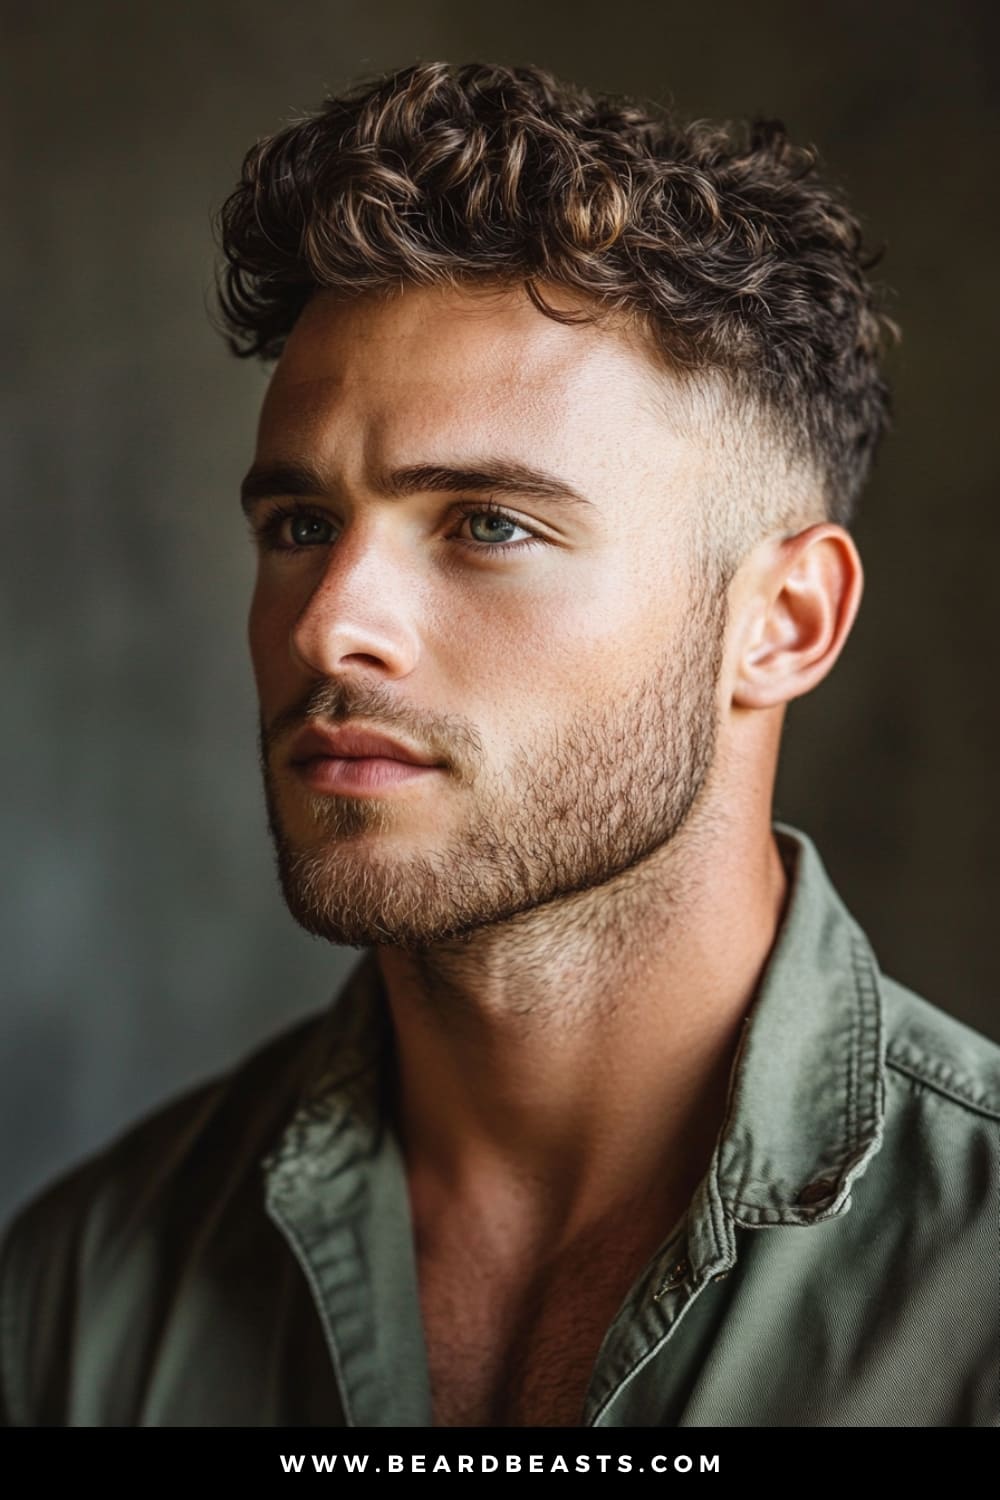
{"points": [[574, 1061]]}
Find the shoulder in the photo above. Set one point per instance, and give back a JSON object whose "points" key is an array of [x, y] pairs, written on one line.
{"points": [[228, 1120], [928, 1216], [926, 1210], [939, 1161], [940, 1055], [940, 1154], [93, 1233]]}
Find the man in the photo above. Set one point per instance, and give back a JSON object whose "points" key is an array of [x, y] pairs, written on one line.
{"points": [[616, 1121]]}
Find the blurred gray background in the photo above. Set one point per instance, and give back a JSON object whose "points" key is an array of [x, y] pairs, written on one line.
{"points": [[144, 939]]}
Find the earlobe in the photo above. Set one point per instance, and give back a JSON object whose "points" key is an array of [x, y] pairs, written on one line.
{"points": [[800, 612]]}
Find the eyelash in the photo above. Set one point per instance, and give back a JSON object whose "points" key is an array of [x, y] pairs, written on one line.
{"points": [[266, 535]]}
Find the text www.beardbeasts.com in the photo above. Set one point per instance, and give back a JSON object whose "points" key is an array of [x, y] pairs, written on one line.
{"points": [[502, 1463]]}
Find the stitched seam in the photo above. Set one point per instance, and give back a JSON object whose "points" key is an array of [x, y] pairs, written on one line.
{"points": [[765, 1208], [717, 1213], [763, 1222], [935, 1085], [718, 1219], [645, 1358], [869, 1034], [854, 1056]]}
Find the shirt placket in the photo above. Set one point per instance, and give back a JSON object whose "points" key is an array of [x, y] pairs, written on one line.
{"points": [[701, 1252], [341, 1204]]}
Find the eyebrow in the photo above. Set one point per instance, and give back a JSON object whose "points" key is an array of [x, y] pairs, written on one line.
{"points": [[499, 475]]}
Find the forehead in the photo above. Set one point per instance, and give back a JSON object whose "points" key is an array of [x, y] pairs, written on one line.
{"points": [[425, 372]]}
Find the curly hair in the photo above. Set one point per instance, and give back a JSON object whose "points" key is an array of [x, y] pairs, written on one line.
{"points": [[718, 241]]}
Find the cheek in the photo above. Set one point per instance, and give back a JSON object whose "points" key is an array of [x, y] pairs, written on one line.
{"points": [[549, 639], [268, 626]]}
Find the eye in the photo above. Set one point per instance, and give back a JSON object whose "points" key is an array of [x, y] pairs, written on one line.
{"points": [[491, 529], [304, 530], [487, 526], [292, 529]]}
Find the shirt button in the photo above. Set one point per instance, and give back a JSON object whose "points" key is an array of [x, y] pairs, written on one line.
{"points": [[675, 1278]]}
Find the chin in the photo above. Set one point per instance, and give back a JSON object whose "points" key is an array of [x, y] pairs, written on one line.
{"points": [[360, 913]]}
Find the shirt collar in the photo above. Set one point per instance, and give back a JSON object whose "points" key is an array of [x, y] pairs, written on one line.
{"points": [[342, 1106], [806, 1096]]}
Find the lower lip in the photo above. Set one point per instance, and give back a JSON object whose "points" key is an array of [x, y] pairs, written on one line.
{"points": [[368, 773]]}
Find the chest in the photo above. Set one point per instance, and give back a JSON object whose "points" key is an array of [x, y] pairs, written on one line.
{"points": [[519, 1352]]}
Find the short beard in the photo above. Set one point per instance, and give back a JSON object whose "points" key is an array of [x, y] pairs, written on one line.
{"points": [[597, 797]]}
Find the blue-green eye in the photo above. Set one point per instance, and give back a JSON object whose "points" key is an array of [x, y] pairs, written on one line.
{"points": [[487, 526], [292, 529], [492, 531]]}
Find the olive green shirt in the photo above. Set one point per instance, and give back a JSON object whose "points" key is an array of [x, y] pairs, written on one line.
{"points": [[245, 1255]]}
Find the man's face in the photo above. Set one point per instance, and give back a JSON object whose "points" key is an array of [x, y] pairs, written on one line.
{"points": [[558, 663]]}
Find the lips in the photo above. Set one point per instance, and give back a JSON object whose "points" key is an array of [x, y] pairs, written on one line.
{"points": [[353, 744]]}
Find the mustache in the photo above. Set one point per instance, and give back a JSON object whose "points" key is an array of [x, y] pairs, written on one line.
{"points": [[446, 736]]}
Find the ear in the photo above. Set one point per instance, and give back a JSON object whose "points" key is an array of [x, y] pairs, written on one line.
{"points": [[802, 595]]}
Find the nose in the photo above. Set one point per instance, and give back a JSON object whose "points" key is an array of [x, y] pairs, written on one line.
{"points": [[360, 614]]}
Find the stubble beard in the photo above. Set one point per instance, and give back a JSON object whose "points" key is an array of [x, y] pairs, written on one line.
{"points": [[592, 799]]}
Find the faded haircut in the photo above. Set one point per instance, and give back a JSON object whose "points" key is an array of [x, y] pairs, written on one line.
{"points": [[719, 244]]}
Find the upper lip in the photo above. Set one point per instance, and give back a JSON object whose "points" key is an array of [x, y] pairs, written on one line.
{"points": [[351, 743]]}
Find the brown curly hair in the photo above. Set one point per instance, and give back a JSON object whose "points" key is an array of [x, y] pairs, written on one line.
{"points": [[719, 242]]}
